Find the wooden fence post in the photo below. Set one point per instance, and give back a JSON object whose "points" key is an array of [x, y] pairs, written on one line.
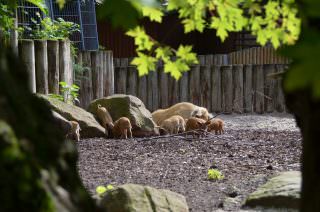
{"points": [[65, 72], [258, 83], [163, 87], [194, 85], [109, 80], [86, 83], [248, 89], [26, 52], [226, 81], [269, 88], [280, 105], [95, 68], [53, 66], [173, 88], [205, 79], [142, 89], [122, 76], [237, 77], [184, 87], [41, 61], [132, 88], [216, 101]]}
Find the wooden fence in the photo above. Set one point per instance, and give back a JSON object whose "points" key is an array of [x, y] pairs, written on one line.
{"points": [[47, 63], [220, 88], [256, 56], [214, 83]]}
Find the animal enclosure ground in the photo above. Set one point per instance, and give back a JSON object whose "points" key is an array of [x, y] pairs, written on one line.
{"points": [[252, 149]]}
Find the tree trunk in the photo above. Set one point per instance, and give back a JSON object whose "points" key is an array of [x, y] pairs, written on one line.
{"points": [[307, 113]]}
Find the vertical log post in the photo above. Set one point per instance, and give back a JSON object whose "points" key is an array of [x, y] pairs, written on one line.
{"points": [[86, 83], [194, 84], [248, 89], [53, 66], [226, 81], [216, 99], [258, 83], [41, 61], [27, 55], [269, 88], [238, 105]]}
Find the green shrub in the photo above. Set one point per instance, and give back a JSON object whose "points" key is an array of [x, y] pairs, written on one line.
{"points": [[214, 174]]}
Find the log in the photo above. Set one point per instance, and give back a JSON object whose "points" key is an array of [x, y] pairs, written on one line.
{"points": [[96, 69], [26, 52], [132, 88], [184, 85], [194, 84], [205, 89], [216, 99], [142, 89], [269, 88], [53, 66], [226, 82], [279, 97], [237, 77], [109, 81], [86, 90], [41, 64], [173, 90], [258, 83], [65, 72], [164, 88], [122, 76], [248, 89]]}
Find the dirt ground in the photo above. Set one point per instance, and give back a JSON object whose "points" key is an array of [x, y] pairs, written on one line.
{"points": [[252, 149]]}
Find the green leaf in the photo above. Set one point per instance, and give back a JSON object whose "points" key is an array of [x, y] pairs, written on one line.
{"points": [[144, 63], [153, 13], [101, 190]]}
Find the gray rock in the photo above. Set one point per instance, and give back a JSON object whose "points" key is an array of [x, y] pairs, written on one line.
{"points": [[131, 107], [63, 124], [137, 198], [90, 128], [282, 191]]}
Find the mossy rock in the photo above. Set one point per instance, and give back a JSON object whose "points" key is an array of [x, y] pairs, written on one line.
{"points": [[137, 198], [281, 191], [129, 106], [90, 128]]}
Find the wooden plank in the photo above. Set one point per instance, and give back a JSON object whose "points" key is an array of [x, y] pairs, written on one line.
{"points": [[86, 92], [194, 84], [41, 64], [122, 77], [132, 88], [96, 74], [116, 74], [184, 87], [152, 91], [280, 105], [258, 84], [110, 73], [164, 88], [227, 91], [269, 88], [173, 90], [248, 89], [53, 66], [254, 55], [65, 71], [237, 77], [26, 52], [142, 89], [216, 99], [205, 87]]}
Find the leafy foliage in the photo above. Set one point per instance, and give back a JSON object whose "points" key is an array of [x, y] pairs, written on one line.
{"points": [[214, 174], [53, 29], [69, 93], [270, 21]]}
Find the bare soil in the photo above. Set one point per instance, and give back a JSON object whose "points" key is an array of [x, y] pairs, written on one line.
{"points": [[246, 155]]}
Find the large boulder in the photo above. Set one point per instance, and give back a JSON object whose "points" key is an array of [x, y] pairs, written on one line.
{"points": [[131, 107], [89, 126], [136, 198], [282, 191], [38, 167]]}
